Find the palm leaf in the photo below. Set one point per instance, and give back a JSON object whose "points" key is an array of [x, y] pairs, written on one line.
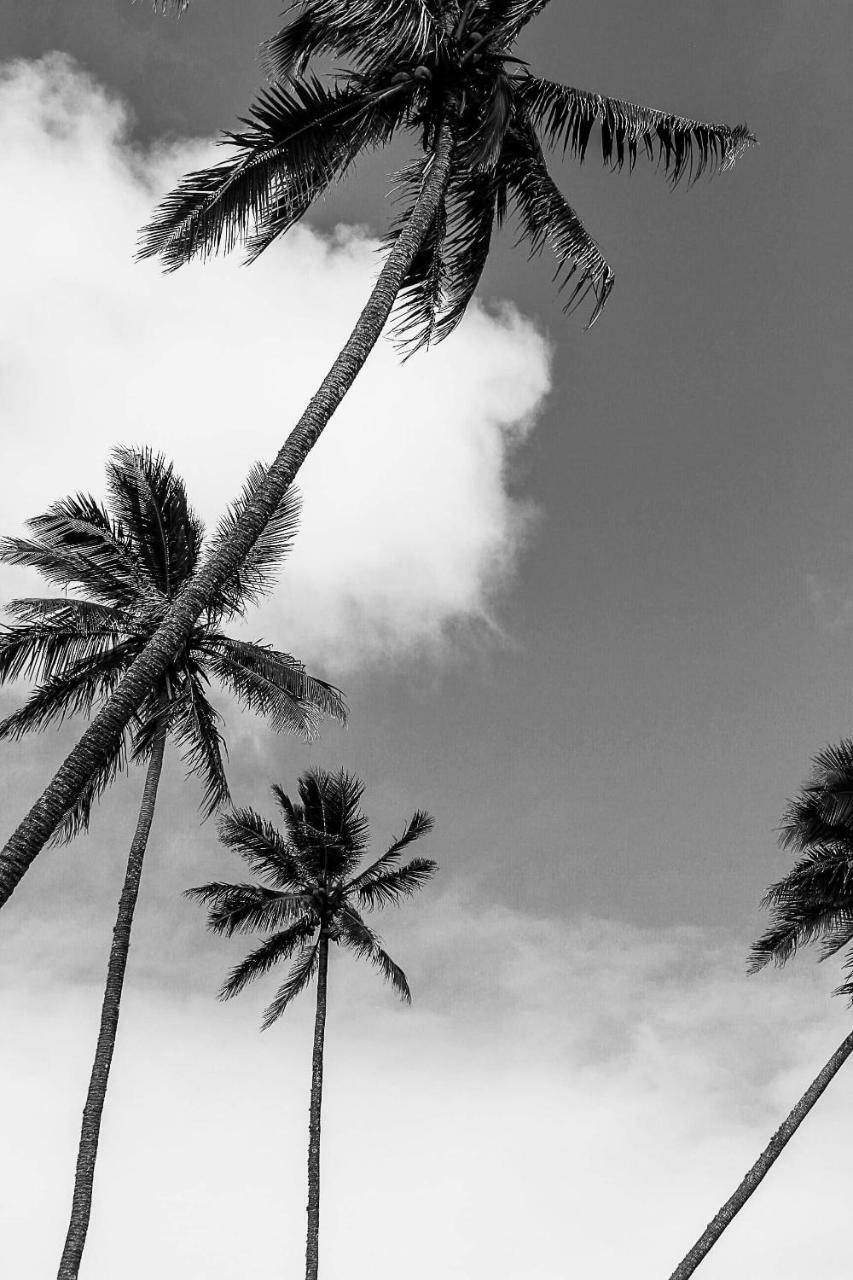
{"points": [[354, 933], [258, 841], [304, 968], [150, 500], [401, 882], [194, 724], [40, 651], [273, 684], [547, 219], [258, 962], [71, 691], [370, 33], [258, 573], [420, 824], [248, 908], [683, 147]]}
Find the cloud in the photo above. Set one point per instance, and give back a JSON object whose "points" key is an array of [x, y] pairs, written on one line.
{"points": [[410, 523], [563, 1098]]}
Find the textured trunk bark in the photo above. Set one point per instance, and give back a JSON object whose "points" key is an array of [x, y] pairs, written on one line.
{"points": [[769, 1155], [148, 669], [313, 1245], [81, 1204]]}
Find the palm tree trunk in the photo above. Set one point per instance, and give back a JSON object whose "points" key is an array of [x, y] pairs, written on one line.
{"points": [[312, 1247], [81, 1205], [148, 669], [769, 1155]]}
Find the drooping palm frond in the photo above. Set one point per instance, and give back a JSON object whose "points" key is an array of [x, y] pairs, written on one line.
{"points": [[273, 684], [71, 691], [303, 970], [39, 650], [354, 933], [259, 573], [259, 842], [566, 117], [194, 724], [548, 220], [77, 818], [258, 962], [823, 810]]}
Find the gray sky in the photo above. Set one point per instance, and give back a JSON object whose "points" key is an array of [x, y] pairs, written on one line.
{"points": [[604, 682]]}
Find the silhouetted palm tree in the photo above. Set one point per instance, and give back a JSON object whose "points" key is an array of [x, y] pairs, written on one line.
{"points": [[813, 901], [312, 896], [444, 72], [127, 563]]}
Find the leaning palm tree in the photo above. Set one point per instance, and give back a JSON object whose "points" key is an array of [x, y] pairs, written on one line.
{"points": [[813, 901], [445, 72], [311, 898], [126, 564]]}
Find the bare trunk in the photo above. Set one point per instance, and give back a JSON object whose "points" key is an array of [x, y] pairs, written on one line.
{"points": [[81, 1205], [769, 1155], [312, 1247], [149, 668]]}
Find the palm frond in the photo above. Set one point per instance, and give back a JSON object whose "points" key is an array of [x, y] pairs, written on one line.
{"points": [[354, 933], [71, 691], [77, 545], [76, 819], [390, 887], [299, 137], [813, 901], [259, 962], [248, 908], [258, 841], [258, 574], [682, 147], [304, 968], [331, 807], [273, 684], [823, 810], [194, 724], [369, 33], [150, 500], [547, 219], [41, 650], [420, 824]]}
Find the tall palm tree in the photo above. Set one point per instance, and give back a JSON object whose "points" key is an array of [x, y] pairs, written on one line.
{"points": [[813, 901], [444, 72], [311, 897], [126, 564]]}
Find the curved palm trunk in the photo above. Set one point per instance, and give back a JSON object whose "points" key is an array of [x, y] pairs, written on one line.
{"points": [[769, 1155], [81, 1205], [312, 1247], [149, 668]]}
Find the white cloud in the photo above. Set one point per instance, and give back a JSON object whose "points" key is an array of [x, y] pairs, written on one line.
{"points": [[563, 1098], [408, 522]]}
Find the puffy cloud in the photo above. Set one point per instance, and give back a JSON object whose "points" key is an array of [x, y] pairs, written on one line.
{"points": [[409, 520]]}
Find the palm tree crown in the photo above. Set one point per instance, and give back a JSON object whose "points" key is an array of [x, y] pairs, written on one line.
{"points": [[313, 890], [127, 564], [410, 64], [815, 899]]}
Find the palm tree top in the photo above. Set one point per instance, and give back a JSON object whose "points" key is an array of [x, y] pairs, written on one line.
{"points": [[407, 65], [814, 901], [311, 887], [119, 566]]}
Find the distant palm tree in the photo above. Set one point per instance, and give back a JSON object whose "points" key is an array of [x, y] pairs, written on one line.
{"points": [[813, 901], [444, 72], [311, 897], [128, 563]]}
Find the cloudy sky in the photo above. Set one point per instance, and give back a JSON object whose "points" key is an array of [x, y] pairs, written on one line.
{"points": [[590, 598]]}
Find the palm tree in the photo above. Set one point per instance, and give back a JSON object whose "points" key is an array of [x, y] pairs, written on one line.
{"points": [[127, 564], [311, 898], [444, 72], [813, 901]]}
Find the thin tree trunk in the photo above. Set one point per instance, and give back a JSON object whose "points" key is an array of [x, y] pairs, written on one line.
{"points": [[312, 1247], [769, 1155], [148, 669], [81, 1205]]}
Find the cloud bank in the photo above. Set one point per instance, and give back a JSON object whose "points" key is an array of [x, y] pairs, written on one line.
{"points": [[410, 525]]}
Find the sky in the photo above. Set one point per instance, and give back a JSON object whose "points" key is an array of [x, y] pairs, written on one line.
{"points": [[589, 596]]}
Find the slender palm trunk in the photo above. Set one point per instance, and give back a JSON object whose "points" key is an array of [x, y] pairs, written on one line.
{"points": [[769, 1155], [312, 1247], [81, 1205], [148, 669]]}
